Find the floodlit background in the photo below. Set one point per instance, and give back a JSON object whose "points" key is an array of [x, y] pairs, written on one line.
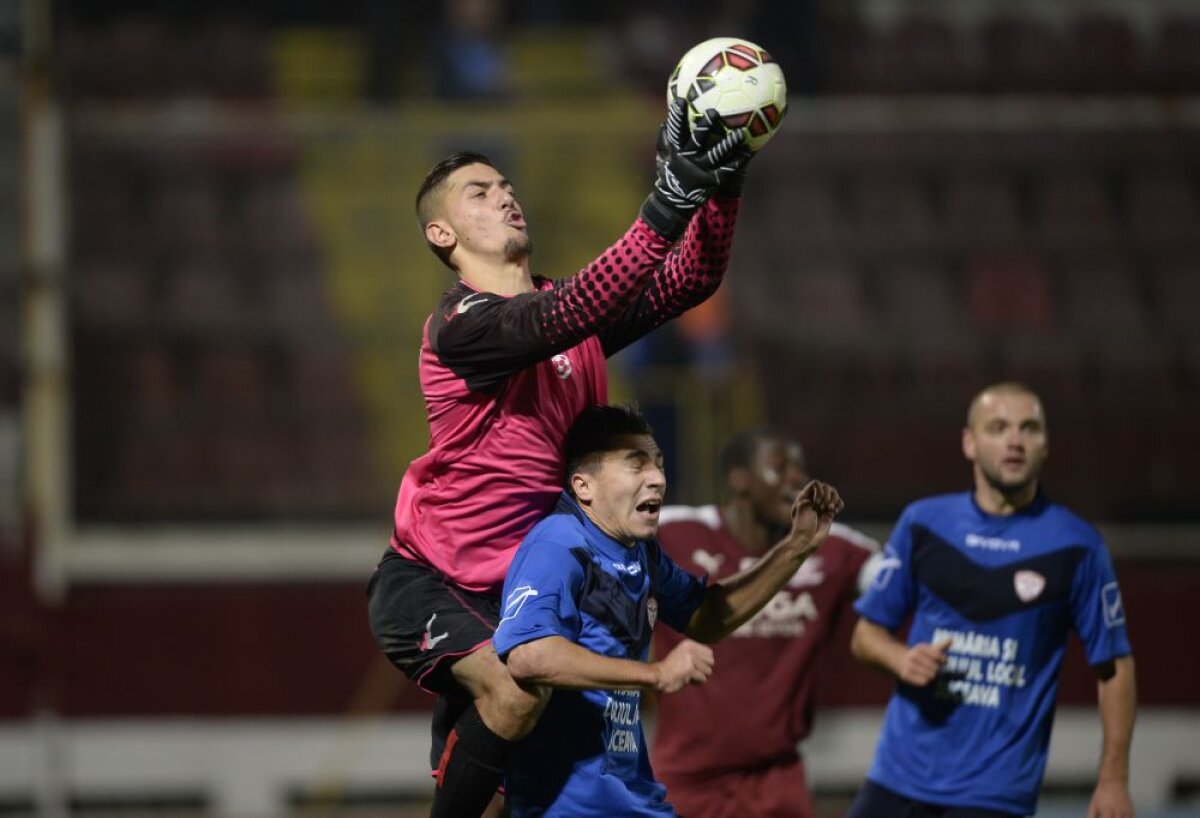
{"points": [[212, 288]]}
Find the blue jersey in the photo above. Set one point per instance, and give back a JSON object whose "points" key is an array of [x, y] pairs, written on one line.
{"points": [[1007, 590], [587, 756]]}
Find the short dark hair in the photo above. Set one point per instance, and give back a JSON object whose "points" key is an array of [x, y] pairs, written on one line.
{"points": [[741, 449], [598, 430], [434, 180]]}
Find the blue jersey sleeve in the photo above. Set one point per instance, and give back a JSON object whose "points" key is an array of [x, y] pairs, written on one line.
{"points": [[678, 592], [892, 594], [540, 596], [1096, 607]]}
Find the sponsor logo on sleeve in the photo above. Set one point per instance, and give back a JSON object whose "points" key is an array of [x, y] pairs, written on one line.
{"points": [[516, 601], [1110, 601], [886, 568], [1028, 585]]}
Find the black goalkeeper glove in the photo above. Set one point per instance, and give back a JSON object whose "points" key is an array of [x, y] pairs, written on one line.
{"points": [[709, 130], [689, 170]]}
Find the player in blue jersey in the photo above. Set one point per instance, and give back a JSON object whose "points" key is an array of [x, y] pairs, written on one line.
{"points": [[994, 580], [581, 598]]}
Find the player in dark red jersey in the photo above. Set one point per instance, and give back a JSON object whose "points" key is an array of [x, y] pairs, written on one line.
{"points": [[508, 360], [729, 748]]}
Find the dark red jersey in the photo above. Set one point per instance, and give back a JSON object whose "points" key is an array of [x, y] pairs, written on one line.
{"points": [[505, 377], [757, 705]]}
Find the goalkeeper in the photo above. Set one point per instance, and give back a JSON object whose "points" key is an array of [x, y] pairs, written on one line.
{"points": [[508, 360]]}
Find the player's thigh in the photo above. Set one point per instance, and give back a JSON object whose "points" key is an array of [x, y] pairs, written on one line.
{"points": [[425, 624], [506, 707]]}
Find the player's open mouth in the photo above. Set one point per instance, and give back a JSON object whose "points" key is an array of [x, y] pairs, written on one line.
{"points": [[517, 220], [651, 507]]}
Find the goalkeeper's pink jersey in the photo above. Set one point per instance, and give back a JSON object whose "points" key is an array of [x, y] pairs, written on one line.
{"points": [[505, 377]]}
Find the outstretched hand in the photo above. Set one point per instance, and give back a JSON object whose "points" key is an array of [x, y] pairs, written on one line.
{"points": [[812, 514], [690, 166]]}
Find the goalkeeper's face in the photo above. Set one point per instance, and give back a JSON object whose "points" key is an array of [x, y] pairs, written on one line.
{"points": [[482, 217], [1006, 439]]}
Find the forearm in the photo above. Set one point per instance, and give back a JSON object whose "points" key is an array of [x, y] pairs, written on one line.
{"points": [[600, 292], [558, 662], [876, 645], [695, 269], [1117, 698], [731, 601]]}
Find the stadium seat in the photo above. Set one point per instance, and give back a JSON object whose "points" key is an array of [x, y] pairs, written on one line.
{"points": [[111, 292], [892, 213], [206, 294], [926, 57], [920, 300], [1102, 301], [1163, 209], [227, 58], [823, 305], [1009, 291], [1075, 211], [981, 210], [805, 212], [859, 58], [944, 372], [142, 58], [188, 212], [1134, 373], [1105, 57], [1177, 54], [1021, 54], [1050, 362], [1176, 286]]}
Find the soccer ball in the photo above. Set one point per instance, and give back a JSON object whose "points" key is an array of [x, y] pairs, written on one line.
{"points": [[737, 78]]}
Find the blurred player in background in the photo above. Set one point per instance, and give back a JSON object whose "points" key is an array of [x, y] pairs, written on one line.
{"points": [[582, 598], [507, 361], [749, 764], [994, 579]]}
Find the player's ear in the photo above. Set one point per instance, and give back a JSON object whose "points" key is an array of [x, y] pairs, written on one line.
{"points": [[439, 234], [968, 444], [739, 481], [581, 487]]}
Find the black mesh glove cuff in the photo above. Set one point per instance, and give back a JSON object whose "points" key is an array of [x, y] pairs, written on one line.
{"points": [[666, 219]]}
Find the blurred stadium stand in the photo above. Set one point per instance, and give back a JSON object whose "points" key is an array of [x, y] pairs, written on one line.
{"points": [[962, 193]]}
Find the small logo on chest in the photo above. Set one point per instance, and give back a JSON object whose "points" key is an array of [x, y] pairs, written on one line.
{"points": [[1028, 585], [562, 366]]}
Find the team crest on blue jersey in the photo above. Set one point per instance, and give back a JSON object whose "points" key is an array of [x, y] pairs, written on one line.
{"points": [[562, 366], [1110, 600], [1028, 585], [652, 611]]}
